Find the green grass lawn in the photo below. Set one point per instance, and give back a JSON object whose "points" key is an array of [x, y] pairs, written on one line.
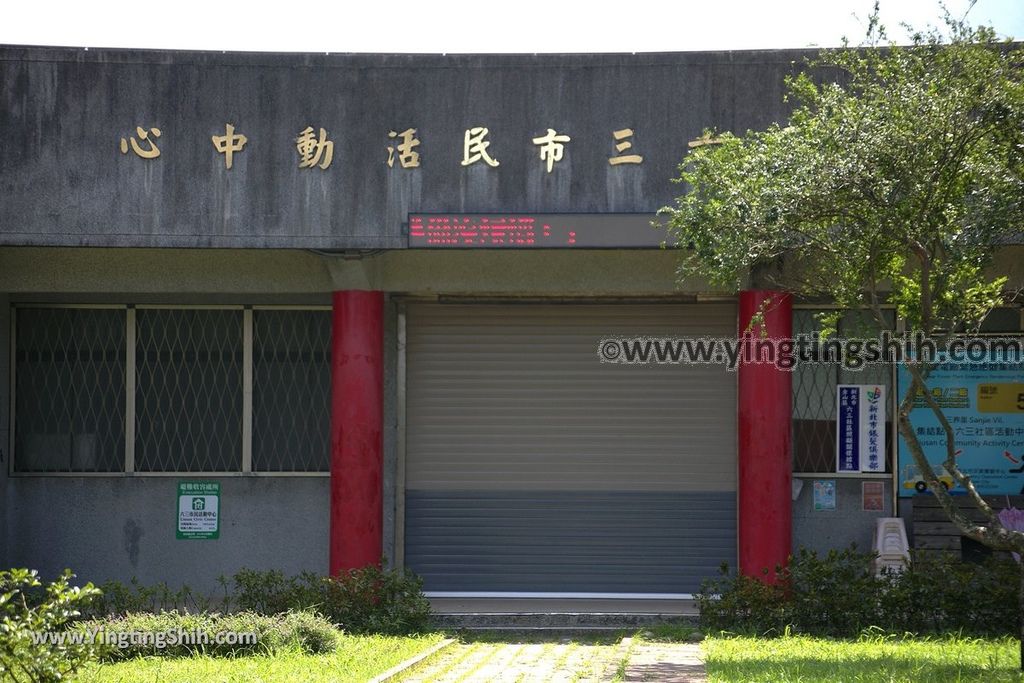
{"points": [[728, 659], [359, 658], [890, 659]]}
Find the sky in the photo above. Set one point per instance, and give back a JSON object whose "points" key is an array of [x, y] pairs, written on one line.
{"points": [[449, 26]]}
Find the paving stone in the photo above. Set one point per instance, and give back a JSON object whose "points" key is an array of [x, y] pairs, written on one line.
{"points": [[561, 661], [666, 663], [518, 662]]}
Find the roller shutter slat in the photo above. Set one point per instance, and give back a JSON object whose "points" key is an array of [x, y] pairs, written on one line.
{"points": [[531, 466]]}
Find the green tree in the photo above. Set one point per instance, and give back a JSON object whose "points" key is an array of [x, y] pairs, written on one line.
{"points": [[897, 180], [35, 619]]}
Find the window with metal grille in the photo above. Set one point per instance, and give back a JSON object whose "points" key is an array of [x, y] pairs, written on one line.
{"points": [[171, 389], [188, 391], [1003, 319], [814, 392], [291, 391], [69, 366]]}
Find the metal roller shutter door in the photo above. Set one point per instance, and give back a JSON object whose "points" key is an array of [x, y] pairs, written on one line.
{"points": [[532, 467]]}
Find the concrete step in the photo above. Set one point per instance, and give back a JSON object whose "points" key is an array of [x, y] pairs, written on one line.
{"points": [[557, 621], [562, 605]]}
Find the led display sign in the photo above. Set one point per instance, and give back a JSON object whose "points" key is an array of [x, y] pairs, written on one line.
{"points": [[535, 231]]}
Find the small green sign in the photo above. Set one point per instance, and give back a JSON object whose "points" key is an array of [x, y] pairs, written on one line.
{"points": [[198, 509]]}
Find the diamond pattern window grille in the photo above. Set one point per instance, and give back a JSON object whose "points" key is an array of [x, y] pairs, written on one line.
{"points": [[291, 391], [188, 396], [814, 394], [71, 383], [69, 390]]}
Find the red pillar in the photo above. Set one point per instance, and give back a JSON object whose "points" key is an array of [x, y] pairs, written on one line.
{"points": [[765, 412], [356, 420]]}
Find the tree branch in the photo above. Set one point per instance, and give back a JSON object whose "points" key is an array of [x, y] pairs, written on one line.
{"points": [[994, 536], [950, 462]]}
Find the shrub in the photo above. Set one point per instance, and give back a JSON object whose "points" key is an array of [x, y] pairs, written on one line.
{"points": [[838, 594], [271, 592], [374, 600], [734, 602], [33, 626], [171, 634], [367, 600], [120, 598], [833, 595], [940, 595], [309, 631]]}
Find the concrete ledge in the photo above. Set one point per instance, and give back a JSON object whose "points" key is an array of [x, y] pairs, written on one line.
{"points": [[556, 621], [628, 606]]}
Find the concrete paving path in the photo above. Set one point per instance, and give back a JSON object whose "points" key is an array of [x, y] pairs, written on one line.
{"points": [[566, 660], [666, 663]]}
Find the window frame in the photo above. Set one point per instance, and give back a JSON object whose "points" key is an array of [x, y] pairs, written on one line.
{"points": [[892, 402], [892, 446], [131, 369]]}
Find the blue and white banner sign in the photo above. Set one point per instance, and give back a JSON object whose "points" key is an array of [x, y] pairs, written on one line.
{"points": [[984, 403], [860, 428]]}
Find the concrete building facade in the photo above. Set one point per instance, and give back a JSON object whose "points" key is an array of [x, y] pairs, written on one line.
{"points": [[363, 294]]}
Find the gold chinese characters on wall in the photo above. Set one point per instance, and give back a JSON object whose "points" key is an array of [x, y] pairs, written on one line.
{"points": [[315, 149]]}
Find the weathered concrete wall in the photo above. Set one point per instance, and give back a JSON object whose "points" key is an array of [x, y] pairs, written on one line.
{"points": [[119, 527], [278, 276], [182, 274], [822, 530], [64, 111]]}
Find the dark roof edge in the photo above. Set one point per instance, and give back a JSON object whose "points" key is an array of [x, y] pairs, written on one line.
{"points": [[88, 55]]}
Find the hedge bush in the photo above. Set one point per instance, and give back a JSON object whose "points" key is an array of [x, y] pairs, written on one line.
{"points": [[271, 592], [839, 595], [367, 600], [126, 598], [118, 637]]}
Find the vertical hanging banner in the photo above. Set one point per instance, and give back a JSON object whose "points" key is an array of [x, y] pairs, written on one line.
{"points": [[198, 509], [873, 414], [860, 428], [847, 428]]}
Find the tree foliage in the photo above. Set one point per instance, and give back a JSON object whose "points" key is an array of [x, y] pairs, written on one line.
{"points": [[900, 164], [896, 180], [34, 618]]}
